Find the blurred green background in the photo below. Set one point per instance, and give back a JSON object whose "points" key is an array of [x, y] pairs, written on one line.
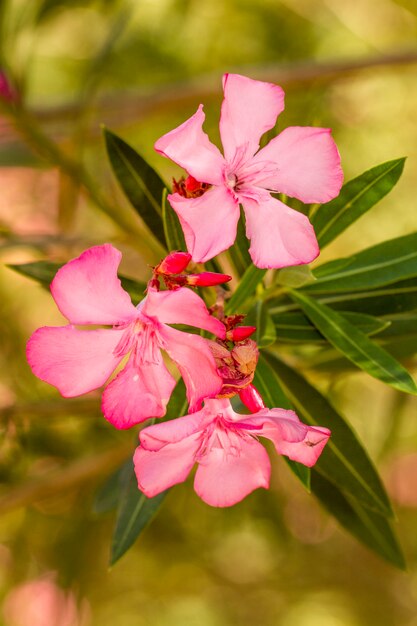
{"points": [[140, 68]]}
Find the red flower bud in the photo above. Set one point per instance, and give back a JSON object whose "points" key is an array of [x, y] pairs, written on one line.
{"points": [[240, 333], [251, 398], [192, 184], [207, 279], [174, 263]]}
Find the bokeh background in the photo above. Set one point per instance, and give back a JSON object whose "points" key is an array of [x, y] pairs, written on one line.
{"points": [[140, 68]]}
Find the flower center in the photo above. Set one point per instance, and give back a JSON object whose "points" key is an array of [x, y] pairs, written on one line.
{"points": [[231, 180], [141, 338]]}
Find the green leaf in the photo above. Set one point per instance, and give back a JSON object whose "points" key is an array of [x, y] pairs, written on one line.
{"points": [[245, 289], [141, 184], [108, 496], [174, 236], [239, 252], [134, 514], [373, 530], [343, 461], [356, 198], [270, 389], [295, 326], [258, 316], [355, 345], [385, 263], [44, 272], [296, 276]]}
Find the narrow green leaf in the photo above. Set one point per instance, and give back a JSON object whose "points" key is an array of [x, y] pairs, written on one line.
{"points": [[108, 496], [295, 326], [296, 276], [355, 345], [246, 289], [174, 236], [373, 530], [258, 316], [270, 389], [344, 461], [380, 265], [135, 513], [239, 252], [141, 184], [44, 272], [356, 198]]}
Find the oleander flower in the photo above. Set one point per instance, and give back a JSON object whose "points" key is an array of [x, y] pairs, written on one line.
{"points": [[87, 291], [231, 461], [301, 162]]}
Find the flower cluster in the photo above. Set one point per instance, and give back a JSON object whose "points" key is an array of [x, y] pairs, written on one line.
{"points": [[141, 345]]}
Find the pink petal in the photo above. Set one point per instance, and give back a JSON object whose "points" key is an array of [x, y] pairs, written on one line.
{"points": [[249, 109], [137, 393], [157, 436], [74, 361], [209, 222], [225, 477], [308, 164], [188, 146], [280, 236], [157, 471], [291, 437], [87, 290], [181, 307], [193, 357]]}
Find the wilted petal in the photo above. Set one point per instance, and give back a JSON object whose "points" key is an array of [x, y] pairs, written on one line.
{"points": [[157, 471], [209, 222], [74, 361], [224, 477], [188, 146], [193, 357], [137, 393], [280, 236], [249, 109], [87, 290], [181, 306], [308, 164]]}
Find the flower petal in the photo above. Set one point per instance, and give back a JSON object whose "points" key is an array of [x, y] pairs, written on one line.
{"points": [[308, 164], [157, 471], [157, 436], [224, 477], [188, 146], [181, 306], [137, 393], [193, 357], [249, 109], [291, 437], [87, 290], [74, 361], [280, 236], [209, 222]]}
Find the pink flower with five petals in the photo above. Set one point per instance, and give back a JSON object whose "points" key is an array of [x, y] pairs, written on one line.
{"points": [[231, 461], [87, 291], [301, 162]]}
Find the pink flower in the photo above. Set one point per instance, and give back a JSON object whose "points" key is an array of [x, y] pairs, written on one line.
{"points": [[87, 291], [302, 162], [231, 461]]}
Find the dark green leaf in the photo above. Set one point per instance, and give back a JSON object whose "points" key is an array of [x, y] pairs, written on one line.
{"points": [[295, 326], [108, 496], [245, 289], [135, 512], [258, 316], [239, 252], [174, 236], [355, 345], [371, 529], [344, 461], [386, 263], [356, 198], [139, 181], [270, 389]]}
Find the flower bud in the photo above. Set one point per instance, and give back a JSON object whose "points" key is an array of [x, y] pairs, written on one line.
{"points": [[240, 333], [251, 398], [207, 279], [174, 263]]}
